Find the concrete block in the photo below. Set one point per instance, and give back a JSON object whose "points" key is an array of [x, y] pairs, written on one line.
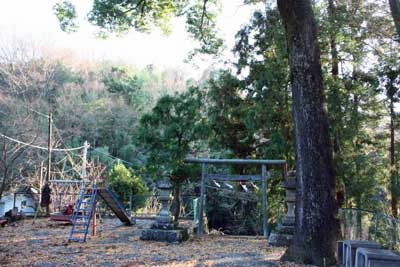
{"points": [[368, 257], [339, 253], [350, 247]]}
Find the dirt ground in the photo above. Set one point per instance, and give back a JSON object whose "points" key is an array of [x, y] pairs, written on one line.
{"points": [[44, 244]]}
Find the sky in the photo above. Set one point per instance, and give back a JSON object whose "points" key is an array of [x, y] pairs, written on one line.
{"points": [[34, 20]]}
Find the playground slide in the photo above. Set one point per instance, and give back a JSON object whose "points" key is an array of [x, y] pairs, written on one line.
{"points": [[111, 199]]}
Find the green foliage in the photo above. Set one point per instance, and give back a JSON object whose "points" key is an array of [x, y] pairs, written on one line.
{"points": [[66, 14], [353, 104], [201, 24], [236, 107], [389, 73], [119, 16], [130, 153], [129, 85], [250, 117], [267, 82], [172, 131], [126, 183], [226, 113]]}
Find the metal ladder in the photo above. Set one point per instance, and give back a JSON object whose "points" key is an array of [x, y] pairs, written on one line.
{"points": [[83, 213]]}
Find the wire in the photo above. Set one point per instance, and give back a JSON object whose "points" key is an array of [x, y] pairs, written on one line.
{"points": [[110, 156], [37, 112], [40, 147], [60, 161]]}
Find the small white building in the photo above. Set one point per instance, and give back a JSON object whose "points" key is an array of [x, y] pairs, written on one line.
{"points": [[26, 200]]}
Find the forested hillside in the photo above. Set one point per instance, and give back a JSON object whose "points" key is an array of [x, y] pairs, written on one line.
{"points": [[98, 102]]}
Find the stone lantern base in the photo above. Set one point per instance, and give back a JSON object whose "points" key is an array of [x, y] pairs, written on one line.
{"points": [[169, 232], [279, 240], [283, 237], [172, 235]]}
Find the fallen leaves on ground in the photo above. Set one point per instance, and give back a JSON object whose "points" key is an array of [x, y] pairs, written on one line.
{"points": [[44, 244]]}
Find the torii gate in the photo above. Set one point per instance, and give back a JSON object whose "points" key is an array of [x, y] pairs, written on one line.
{"points": [[231, 177]]}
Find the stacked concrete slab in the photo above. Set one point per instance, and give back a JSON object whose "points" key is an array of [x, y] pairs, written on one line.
{"points": [[368, 257], [363, 253]]}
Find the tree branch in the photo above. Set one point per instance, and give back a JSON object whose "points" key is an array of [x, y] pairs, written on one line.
{"points": [[135, 7], [203, 15]]}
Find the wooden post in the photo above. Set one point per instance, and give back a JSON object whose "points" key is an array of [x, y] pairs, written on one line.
{"points": [[285, 171], [130, 204], [100, 218], [15, 198], [84, 160], [201, 208], [94, 219], [264, 200]]}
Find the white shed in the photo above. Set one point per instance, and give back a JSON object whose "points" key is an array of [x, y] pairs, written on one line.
{"points": [[26, 200]]}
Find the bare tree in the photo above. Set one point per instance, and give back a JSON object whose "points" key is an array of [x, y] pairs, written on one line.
{"points": [[27, 85]]}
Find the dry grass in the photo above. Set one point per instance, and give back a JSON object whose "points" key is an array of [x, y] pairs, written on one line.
{"points": [[45, 244]]}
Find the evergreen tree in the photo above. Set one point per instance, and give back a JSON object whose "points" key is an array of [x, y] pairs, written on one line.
{"points": [[171, 132]]}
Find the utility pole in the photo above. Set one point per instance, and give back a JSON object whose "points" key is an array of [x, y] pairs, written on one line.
{"points": [[49, 148], [46, 191]]}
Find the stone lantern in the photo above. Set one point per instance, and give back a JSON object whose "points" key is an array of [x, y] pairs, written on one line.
{"points": [[164, 219], [164, 228], [285, 232]]}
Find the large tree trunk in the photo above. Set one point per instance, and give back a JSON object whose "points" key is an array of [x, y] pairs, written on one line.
{"points": [[395, 9], [316, 227]]}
